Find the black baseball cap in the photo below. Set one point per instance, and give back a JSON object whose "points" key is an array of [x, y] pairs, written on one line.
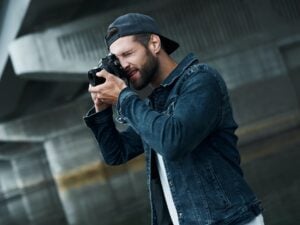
{"points": [[136, 23]]}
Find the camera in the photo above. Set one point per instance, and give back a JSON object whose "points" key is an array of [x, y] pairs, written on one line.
{"points": [[111, 64]]}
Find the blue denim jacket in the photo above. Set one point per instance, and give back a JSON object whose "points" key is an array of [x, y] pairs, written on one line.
{"points": [[188, 120]]}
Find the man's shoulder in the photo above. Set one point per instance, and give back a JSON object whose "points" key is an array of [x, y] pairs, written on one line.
{"points": [[200, 71]]}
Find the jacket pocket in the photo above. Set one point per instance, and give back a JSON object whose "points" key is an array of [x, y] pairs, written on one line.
{"points": [[215, 194]]}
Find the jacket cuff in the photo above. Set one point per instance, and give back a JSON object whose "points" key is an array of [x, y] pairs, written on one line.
{"points": [[124, 97], [93, 118]]}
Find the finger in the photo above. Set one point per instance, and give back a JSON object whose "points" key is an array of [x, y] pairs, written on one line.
{"points": [[91, 89], [103, 73], [95, 89]]}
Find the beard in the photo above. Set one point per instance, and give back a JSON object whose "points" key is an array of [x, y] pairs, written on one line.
{"points": [[147, 71]]}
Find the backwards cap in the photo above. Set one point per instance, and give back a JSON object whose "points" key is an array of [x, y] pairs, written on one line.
{"points": [[136, 23]]}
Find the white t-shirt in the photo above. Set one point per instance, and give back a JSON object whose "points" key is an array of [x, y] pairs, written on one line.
{"points": [[166, 189]]}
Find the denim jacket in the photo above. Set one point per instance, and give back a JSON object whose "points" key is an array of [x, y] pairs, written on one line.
{"points": [[188, 120]]}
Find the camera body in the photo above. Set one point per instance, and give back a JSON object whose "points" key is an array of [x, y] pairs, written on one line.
{"points": [[111, 64]]}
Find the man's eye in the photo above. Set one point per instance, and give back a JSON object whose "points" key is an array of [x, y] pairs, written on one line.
{"points": [[127, 54]]}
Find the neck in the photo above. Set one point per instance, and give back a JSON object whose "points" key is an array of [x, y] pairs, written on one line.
{"points": [[166, 66]]}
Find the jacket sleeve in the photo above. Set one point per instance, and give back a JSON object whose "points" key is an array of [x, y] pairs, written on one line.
{"points": [[196, 114], [116, 147]]}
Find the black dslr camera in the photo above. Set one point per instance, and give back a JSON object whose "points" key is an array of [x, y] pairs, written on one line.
{"points": [[111, 64]]}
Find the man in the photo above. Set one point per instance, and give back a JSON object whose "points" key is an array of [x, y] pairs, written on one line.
{"points": [[185, 128]]}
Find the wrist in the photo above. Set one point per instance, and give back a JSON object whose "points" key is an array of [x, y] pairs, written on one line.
{"points": [[100, 108], [123, 86]]}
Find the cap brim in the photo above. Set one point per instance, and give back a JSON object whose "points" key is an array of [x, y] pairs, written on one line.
{"points": [[169, 45]]}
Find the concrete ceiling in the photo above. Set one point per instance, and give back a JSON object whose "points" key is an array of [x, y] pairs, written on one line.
{"points": [[17, 94], [26, 96]]}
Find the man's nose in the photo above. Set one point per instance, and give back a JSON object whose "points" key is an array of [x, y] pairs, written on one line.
{"points": [[124, 64]]}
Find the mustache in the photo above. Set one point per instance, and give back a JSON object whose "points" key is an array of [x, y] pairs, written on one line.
{"points": [[130, 71]]}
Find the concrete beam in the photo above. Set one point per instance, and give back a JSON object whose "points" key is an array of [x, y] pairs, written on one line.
{"points": [[250, 65], [10, 151], [64, 52], [68, 51], [57, 53], [46, 124]]}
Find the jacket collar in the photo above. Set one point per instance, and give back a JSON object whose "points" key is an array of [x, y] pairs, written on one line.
{"points": [[180, 68]]}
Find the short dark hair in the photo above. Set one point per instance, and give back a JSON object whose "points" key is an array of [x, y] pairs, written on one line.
{"points": [[141, 38], [144, 39]]}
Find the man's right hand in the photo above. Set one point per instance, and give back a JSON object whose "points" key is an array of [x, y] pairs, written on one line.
{"points": [[106, 94], [98, 102]]}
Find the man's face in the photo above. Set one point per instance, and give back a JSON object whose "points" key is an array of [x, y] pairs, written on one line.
{"points": [[138, 61]]}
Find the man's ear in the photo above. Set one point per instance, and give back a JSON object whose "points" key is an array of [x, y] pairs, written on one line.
{"points": [[155, 43]]}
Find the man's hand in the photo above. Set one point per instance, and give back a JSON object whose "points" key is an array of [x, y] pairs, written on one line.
{"points": [[106, 94]]}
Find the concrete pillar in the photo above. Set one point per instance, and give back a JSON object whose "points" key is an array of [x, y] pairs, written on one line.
{"points": [[39, 194], [91, 192], [12, 211]]}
